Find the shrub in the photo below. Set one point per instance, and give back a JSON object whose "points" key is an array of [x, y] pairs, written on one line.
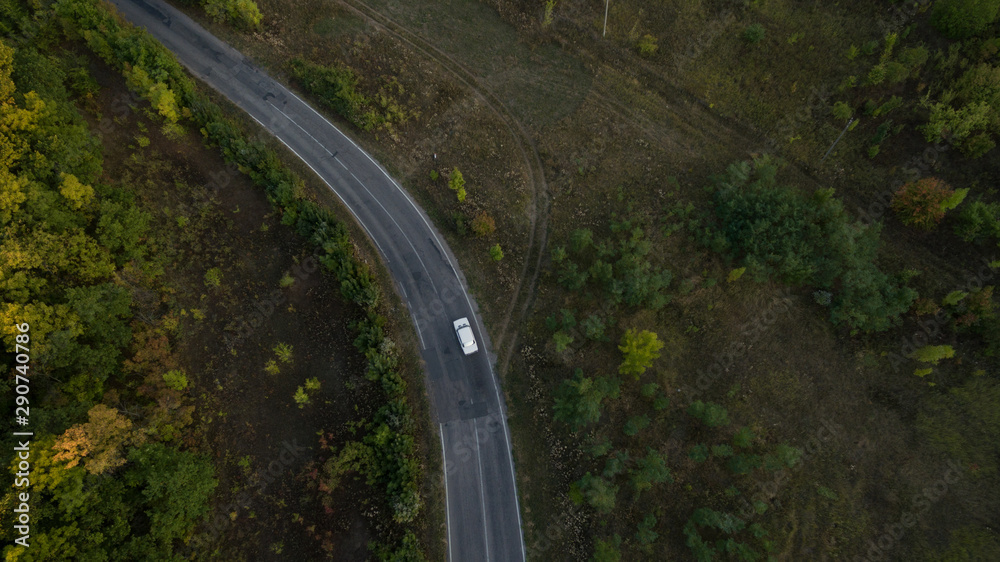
{"points": [[896, 72], [647, 45], [753, 34], [649, 470], [242, 13], [301, 397], [562, 340], [483, 224], [641, 348], [336, 87], [709, 413], [893, 103], [175, 379], [933, 353], [593, 328], [919, 203], [842, 111], [456, 183], [284, 352], [699, 453], [598, 492], [550, 6], [645, 534], [722, 450], [743, 438], [876, 75], [914, 57], [954, 200], [213, 277]]}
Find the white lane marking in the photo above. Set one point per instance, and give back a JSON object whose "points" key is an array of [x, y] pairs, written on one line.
{"points": [[300, 127], [393, 219], [496, 387], [447, 507], [423, 346], [482, 493], [334, 190]]}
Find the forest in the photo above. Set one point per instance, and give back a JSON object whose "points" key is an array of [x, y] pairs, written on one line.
{"points": [[119, 395]]}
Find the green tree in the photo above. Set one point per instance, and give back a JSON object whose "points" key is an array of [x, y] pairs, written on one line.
{"points": [[284, 352], [699, 453], [496, 252], [593, 328], [562, 340], [607, 550], [598, 492], [842, 111], [176, 486], [578, 400], [456, 182], [645, 533], [636, 424], [774, 230], [640, 349], [580, 240], [979, 220], [754, 33], [960, 19], [649, 470], [175, 379], [213, 277], [709, 413]]}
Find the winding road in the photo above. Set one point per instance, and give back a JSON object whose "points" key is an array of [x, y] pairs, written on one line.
{"points": [[483, 516]]}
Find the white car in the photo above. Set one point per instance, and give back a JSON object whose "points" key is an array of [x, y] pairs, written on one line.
{"points": [[465, 336]]}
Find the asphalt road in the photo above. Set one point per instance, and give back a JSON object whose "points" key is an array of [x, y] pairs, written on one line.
{"points": [[484, 521]]}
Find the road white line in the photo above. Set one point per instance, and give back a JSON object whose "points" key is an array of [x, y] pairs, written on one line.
{"points": [[416, 325], [447, 508], [482, 493], [393, 219], [333, 189], [300, 127]]}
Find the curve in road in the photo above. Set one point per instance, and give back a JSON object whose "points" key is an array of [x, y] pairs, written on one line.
{"points": [[483, 515]]}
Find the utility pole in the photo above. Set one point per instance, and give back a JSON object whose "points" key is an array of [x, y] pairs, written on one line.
{"points": [[838, 139], [606, 3]]}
